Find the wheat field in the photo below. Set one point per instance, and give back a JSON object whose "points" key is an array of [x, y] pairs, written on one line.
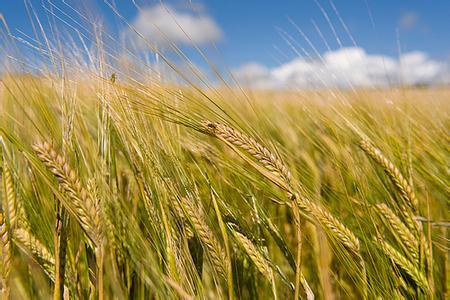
{"points": [[119, 186]]}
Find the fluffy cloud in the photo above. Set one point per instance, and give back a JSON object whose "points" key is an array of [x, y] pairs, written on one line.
{"points": [[345, 68], [417, 68], [162, 25]]}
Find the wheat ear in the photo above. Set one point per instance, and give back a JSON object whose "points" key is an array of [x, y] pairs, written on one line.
{"points": [[403, 263], [32, 245], [405, 190], [85, 204], [276, 167], [258, 259], [12, 209], [94, 206], [83, 207], [255, 255], [401, 230], [195, 216], [263, 155], [403, 186], [327, 220], [340, 232], [6, 256]]}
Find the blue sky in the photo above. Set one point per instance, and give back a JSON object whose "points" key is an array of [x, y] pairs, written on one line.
{"points": [[248, 32]]}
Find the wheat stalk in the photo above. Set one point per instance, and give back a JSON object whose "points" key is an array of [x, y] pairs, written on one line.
{"points": [[340, 232], [86, 203]]}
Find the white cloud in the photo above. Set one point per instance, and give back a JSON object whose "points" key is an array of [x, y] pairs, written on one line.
{"points": [[345, 68], [417, 68], [162, 25], [256, 75]]}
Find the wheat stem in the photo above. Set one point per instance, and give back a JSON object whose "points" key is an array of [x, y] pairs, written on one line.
{"points": [[60, 242]]}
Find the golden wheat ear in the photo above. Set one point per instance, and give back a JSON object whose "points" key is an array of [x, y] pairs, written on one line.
{"points": [[83, 207], [270, 162], [187, 209], [280, 175], [403, 263], [400, 230], [277, 168], [30, 244], [403, 186], [6, 256]]}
